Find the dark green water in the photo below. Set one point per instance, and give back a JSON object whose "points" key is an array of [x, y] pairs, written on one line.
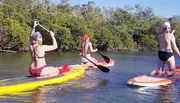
{"points": [[95, 86]]}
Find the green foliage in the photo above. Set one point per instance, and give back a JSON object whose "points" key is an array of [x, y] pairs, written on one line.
{"points": [[64, 35], [110, 28], [148, 43], [19, 34]]}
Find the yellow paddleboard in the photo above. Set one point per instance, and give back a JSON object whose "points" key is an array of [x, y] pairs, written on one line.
{"points": [[28, 83]]}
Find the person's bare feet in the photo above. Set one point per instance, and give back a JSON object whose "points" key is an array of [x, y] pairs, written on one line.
{"points": [[153, 73], [170, 73], [156, 73], [59, 67]]}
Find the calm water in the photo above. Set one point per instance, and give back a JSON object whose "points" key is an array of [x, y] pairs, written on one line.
{"points": [[95, 86]]}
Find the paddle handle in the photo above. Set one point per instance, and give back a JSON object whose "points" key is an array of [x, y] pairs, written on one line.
{"points": [[172, 26]]}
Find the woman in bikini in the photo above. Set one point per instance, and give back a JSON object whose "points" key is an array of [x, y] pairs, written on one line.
{"points": [[167, 44], [38, 68], [87, 49]]}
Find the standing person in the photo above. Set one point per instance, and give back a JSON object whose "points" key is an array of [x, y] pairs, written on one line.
{"points": [[87, 49], [167, 44], [38, 68]]}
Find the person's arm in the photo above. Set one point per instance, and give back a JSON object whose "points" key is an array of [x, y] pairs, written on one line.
{"points": [[33, 30], [91, 48], [34, 26], [173, 31], [51, 47], [174, 46]]}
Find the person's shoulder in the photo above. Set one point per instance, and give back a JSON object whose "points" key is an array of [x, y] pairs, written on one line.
{"points": [[89, 43], [172, 37], [41, 47]]}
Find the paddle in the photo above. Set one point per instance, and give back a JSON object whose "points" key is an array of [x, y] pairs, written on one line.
{"points": [[170, 20], [172, 26], [104, 57], [102, 68]]}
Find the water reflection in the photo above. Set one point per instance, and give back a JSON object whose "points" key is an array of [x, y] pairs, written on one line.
{"points": [[16, 97], [41, 95], [165, 94], [161, 94], [45, 94], [89, 83]]}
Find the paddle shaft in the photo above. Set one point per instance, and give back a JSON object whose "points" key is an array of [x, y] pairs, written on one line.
{"points": [[104, 57], [172, 26]]}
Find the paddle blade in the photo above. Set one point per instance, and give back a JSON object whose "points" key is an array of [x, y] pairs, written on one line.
{"points": [[106, 59], [102, 68]]}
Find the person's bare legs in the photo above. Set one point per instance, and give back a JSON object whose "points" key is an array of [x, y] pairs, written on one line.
{"points": [[49, 72], [91, 64], [171, 66], [161, 66], [160, 70], [94, 60]]}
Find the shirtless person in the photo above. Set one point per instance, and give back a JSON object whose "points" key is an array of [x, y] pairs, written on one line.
{"points": [[87, 49]]}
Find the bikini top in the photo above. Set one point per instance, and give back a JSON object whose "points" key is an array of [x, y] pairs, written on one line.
{"points": [[165, 47], [35, 54]]}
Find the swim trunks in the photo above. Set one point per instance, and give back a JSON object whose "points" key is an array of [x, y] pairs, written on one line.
{"points": [[84, 60]]}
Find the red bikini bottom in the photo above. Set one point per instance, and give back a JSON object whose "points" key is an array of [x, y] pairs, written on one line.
{"points": [[36, 72]]}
